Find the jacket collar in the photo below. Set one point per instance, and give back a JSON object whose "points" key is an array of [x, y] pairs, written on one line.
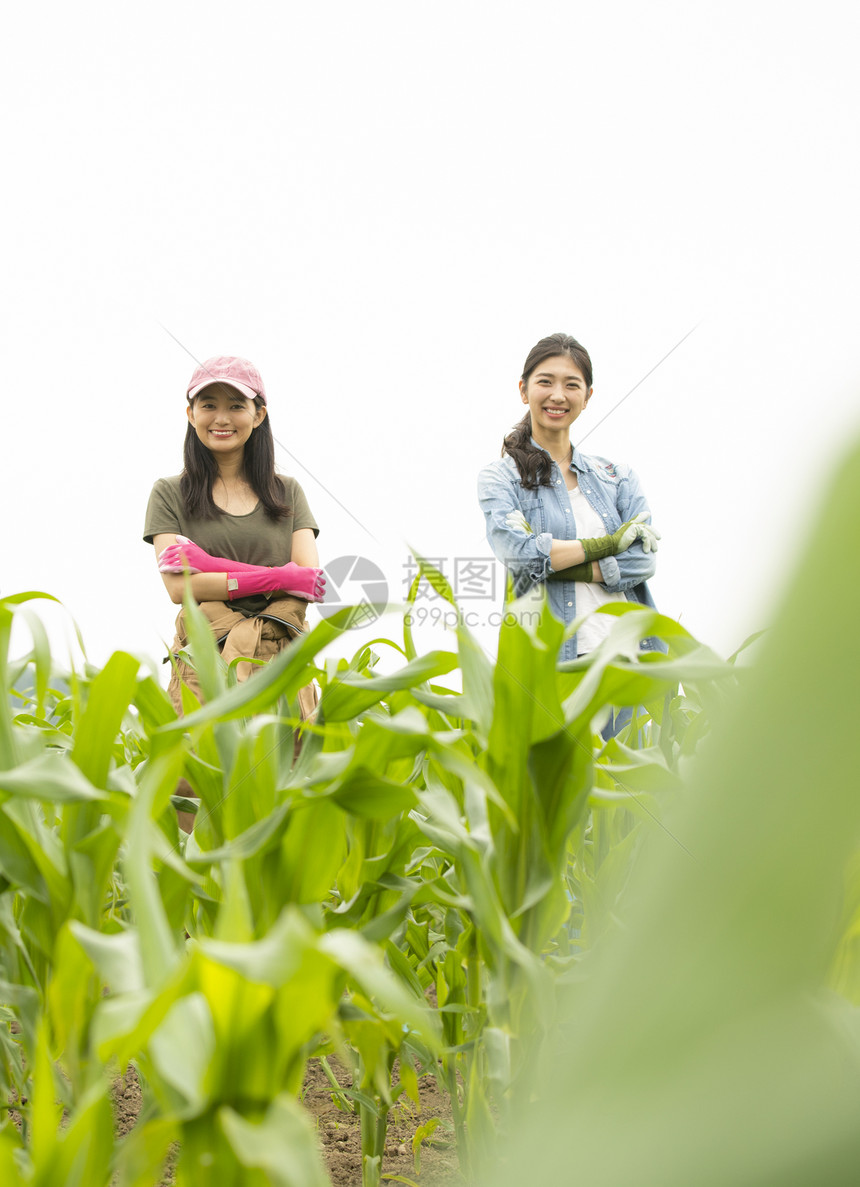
{"points": [[577, 459]]}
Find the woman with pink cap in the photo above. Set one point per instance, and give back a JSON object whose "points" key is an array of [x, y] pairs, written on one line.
{"points": [[244, 532]]}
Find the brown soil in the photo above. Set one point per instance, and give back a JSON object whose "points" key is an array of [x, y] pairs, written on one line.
{"points": [[339, 1133]]}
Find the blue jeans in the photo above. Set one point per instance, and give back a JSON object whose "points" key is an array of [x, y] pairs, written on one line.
{"points": [[616, 723]]}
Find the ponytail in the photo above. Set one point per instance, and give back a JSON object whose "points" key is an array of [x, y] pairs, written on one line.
{"points": [[533, 464]]}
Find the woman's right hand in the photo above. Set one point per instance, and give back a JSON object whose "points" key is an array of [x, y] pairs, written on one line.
{"points": [[301, 581], [620, 540]]}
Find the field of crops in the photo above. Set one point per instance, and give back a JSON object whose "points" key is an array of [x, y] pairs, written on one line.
{"points": [[603, 955]]}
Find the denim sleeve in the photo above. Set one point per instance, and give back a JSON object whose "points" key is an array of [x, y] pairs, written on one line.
{"points": [[524, 552], [635, 565]]}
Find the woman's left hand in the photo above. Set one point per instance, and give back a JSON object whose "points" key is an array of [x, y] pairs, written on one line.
{"points": [[185, 555], [598, 547], [648, 537]]}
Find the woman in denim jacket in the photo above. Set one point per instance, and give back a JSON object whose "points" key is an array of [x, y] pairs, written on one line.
{"points": [[554, 515]]}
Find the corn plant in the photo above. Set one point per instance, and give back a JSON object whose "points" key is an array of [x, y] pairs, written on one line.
{"points": [[411, 889]]}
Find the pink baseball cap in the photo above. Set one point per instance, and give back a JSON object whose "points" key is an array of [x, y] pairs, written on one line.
{"points": [[226, 368]]}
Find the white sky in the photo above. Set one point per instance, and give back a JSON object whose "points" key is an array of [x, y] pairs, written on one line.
{"points": [[384, 205]]}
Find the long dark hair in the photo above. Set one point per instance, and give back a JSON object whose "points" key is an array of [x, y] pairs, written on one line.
{"points": [[533, 464], [258, 468]]}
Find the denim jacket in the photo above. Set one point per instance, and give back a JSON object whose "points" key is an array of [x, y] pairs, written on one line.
{"points": [[613, 491]]}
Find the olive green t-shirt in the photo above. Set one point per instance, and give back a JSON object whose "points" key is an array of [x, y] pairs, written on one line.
{"points": [[252, 538]]}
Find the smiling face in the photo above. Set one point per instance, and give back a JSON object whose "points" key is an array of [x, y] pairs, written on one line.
{"points": [[556, 393], [223, 418]]}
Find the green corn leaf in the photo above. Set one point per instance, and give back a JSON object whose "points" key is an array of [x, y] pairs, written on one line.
{"points": [[109, 696], [30, 852], [364, 962], [50, 777], [82, 1154], [141, 1153], [41, 655], [208, 664], [363, 793], [354, 694], [117, 957], [271, 960], [477, 681], [405, 972], [283, 1145], [45, 1112], [72, 994], [259, 838], [11, 1174], [153, 703], [313, 849], [31, 595], [434, 577], [8, 747], [182, 1050], [157, 945]]}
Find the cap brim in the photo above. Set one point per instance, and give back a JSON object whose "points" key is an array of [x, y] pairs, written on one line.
{"points": [[247, 392]]}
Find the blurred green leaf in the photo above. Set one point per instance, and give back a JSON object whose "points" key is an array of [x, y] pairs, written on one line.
{"points": [[182, 1049], [283, 1145], [81, 1155], [50, 776], [705, 1033]]}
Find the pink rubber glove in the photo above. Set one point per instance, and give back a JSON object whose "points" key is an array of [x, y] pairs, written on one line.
{"points": [[298, 580], [242, 579], [185, 553]]}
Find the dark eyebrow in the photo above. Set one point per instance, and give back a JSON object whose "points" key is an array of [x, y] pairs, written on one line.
{"points": [[551, 375]]}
